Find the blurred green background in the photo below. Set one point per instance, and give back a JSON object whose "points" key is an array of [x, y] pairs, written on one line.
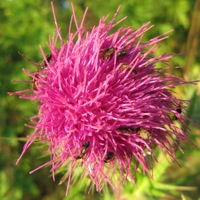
{"points": [[24, 25]]}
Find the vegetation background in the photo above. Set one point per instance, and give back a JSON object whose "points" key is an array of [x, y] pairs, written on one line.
{"points": [[24, 25]]}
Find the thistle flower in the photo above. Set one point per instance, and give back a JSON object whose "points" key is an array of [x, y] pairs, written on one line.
{"points": [[103, 104]]}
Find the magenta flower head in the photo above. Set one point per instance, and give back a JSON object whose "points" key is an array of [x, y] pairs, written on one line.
{"points": [[103, 103]]}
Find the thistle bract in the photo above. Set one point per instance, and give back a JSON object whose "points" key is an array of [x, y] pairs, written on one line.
{"points": [[103, 104]]}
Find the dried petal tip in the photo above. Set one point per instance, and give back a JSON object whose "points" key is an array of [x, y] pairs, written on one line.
{"points": [[104, 104]]}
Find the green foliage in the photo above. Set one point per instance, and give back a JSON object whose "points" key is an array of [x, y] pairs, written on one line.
{"points": [[24, 25]]}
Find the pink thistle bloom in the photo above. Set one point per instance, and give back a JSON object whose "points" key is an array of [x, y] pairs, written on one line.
{"points": [[103, 104]]}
